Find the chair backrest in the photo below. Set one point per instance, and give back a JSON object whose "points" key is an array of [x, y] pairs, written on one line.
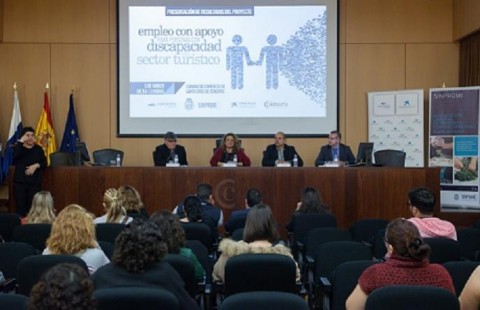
{"points": [[237, 235], [304, 223], [259, 272], [330, 255], [444, 250], [108, 231], [106, 156], [390, 158], [107, 248], [134, 298], [33, 234], [264, 301], [344, 279], [11, 253], [469, 239], [13, 301], [200, 232], [8, 221], [319, 236], [379, 249], [460, 272], [202, 254], [185, 268], [59, 159], [236, 223], [364, 230], [31, 268], [402, 297]]}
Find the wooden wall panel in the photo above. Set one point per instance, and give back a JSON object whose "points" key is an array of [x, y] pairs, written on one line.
{"points": [[72, 21], [394, 21], [465, 17]]}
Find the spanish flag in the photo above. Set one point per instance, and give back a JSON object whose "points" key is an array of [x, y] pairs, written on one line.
{"points": [[44, 132]]}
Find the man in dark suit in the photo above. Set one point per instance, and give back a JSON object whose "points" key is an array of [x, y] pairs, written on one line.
{"points": [[279, 152], [239, 217], [335, 150], [166, 152]]}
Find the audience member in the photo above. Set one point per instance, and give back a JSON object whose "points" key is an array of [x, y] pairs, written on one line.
{"points": [[335, 150], [42, 211], [260, 236], [280, 152], [73, 233], [253, 198], [229, 150], [174, 237], [407, 265], [165, 153], [194, 214], [470, 296], [115, 212], [64, 286], [138, 261], [29, 160], [421, 202], [132, 201], [311, 203]]}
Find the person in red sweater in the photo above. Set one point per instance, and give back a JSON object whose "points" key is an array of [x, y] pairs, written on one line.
{"points": [[228, 150], [407, 264]]}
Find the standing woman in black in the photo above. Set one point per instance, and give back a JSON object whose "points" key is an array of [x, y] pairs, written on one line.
{"points": [[29, 160]]}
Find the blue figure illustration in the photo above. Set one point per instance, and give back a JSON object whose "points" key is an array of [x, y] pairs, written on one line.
{"points": [[274, 60], [234, 61]]}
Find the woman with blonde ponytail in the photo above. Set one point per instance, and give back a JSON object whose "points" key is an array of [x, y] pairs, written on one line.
{"points": [[115, 212]]}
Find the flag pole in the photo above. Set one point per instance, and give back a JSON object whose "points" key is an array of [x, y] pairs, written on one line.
{"points": [[14, 85]]}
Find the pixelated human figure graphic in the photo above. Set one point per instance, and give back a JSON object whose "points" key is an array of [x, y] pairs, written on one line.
{"points": [[274, 60], [234, 61]]}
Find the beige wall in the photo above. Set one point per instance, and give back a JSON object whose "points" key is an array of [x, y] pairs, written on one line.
{"points": [[384, 45], [466, 16]]}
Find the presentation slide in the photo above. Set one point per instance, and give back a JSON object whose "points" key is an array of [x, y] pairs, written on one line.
{"points": [[252, 69]]}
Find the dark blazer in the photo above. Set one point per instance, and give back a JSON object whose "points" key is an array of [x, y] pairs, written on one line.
{"points": [[162, 155], [325, 155], [270, 155]]}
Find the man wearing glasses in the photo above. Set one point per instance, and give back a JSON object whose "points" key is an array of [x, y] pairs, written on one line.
{"points": [[335, 151], [170, 151]]}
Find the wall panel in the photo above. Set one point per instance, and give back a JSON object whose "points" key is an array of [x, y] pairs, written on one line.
{"points": [[465, 17]]}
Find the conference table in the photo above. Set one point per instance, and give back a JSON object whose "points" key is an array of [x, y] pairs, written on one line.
{"points": [[352, 193]]}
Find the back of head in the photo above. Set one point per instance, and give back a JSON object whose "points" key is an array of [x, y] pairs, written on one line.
{"points": [[139, 246], [72, 231], [312, 201], [42, 211], [204, 191], [113, 205], [171, 230], [64, 286], [260, 225], [254, 197], [406, 241], [130, 198], [193, 208], [423, 199]]}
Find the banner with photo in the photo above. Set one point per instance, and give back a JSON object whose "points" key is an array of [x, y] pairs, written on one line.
{"points": [[453, 143], [395, 121]]}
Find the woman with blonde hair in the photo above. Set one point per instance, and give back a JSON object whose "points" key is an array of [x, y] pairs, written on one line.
{"points": [[115, 212], [132, 201], [42, 211], [73, 233]]}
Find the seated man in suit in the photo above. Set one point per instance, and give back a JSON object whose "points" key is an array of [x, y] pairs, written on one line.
{"points": [[335, 150], [166, 152], [253, 198], [279, 152]]}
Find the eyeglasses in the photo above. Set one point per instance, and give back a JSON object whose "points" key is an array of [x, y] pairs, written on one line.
{"points": [[171, 141]]}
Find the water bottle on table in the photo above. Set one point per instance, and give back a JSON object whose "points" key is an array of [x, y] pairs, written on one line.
{"points": [[175, 159], [295, 160], [118, 161]]}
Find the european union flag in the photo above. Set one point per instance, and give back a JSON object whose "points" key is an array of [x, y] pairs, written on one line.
{"points": [[70, 135]]}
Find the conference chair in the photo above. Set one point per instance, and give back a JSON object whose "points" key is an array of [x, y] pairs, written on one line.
{"points": [[364, 230], [11, 253], [108, 231], [390, 158], [31, 268], [264, 301], [134, 298], [200, 232], [379, 248], [107, 248], [186, 270], [237, 235], [460, 271], [13, 301], [33, 234], [59, 159], [319, 236], [444, 250], [106, 157], [235, 223], [401, 297], [469, 239], [8, 221]]}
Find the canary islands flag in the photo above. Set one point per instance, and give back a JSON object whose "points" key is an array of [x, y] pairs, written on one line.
{"points": [[13, 135], [44, 132]]}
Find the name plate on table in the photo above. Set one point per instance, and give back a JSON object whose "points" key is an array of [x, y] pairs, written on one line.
{"points": [[230, 164], [285, 164], [173, 165], [331, 164]]}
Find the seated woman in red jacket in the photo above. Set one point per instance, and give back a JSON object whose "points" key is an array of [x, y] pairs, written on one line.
{"points": [[230, 151], [407, 265]]}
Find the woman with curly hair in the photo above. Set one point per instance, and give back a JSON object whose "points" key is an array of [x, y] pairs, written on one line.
{"points": [[174, 236], [132, 201], [42, 211], [73, 233], [115, 212], [64, 286], [407, 264], [138, 261]]}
